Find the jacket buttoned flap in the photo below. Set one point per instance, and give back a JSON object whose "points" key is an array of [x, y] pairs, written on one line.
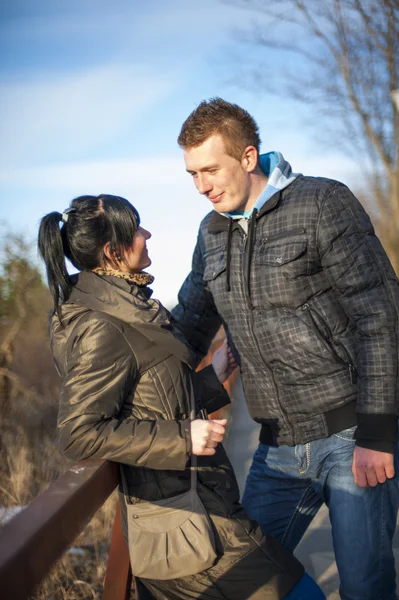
{"points": [[213, 270], [281, 253], [281, 246], [215, 263]]}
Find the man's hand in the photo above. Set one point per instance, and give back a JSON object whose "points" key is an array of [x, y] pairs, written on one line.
{"points": [[371, 467], [206, 435], [223, 362]]}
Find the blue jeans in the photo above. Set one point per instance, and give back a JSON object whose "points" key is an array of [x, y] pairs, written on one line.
{"points": [[306, 589], [287, 485]]}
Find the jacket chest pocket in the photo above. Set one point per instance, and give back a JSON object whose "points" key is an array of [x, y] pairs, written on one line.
{"points": [[282, 254], [215, 279], [213, 270], [215, 266], [280, 270]]}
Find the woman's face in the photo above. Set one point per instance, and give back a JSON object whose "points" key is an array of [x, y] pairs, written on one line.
{"points": [[136, 258]]}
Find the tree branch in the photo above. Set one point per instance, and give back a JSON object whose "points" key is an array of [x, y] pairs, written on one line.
{"points": [[19, 383]]}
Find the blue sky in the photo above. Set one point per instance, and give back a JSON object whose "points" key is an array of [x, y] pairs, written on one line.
{"points": [[92, 97]]}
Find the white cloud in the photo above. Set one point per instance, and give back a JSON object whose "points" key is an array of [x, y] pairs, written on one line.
{"points": [[333, 166], [73, 113], [152, 171]]}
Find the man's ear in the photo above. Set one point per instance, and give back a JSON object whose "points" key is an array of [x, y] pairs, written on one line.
{"points": [[250, 159]]}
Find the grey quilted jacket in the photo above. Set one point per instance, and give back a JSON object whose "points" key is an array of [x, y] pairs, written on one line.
{"points": [[310, 302]]}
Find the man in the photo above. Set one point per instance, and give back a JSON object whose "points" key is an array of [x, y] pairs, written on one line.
{"points": [[290, 265]]}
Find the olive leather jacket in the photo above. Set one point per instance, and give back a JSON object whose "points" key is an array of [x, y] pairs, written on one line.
{"points": [[125, 397]]}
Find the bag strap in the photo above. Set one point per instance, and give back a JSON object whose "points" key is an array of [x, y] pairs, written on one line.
{"points": [[193, 461]]}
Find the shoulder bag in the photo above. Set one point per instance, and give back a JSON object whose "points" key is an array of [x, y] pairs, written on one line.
{"points": [[173, 537]]}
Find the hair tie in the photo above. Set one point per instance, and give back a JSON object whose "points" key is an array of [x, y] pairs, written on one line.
{"points": [[65, 213]]}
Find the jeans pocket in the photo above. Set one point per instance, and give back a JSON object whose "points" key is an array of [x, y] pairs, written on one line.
{"points": [[346, 434]]}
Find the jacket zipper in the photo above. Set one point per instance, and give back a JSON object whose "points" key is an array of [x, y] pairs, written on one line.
{"points": [[244, 279], [329, 346], [247, 293], [214, 251]]}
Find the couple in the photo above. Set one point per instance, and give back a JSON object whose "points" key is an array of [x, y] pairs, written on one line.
{"points": [[291, 267]]}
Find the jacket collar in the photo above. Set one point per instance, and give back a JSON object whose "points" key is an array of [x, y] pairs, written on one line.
{"points": [[220, 223], [130, 304]]}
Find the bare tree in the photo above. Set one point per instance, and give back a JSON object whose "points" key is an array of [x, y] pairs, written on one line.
{"points": [[29, 384], [17, 279], [348, 68]]}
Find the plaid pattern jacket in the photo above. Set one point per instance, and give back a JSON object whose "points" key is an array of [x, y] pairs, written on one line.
{"points": [[310, 303]]}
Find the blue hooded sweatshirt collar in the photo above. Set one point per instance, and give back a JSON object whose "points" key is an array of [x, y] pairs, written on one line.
{"points": [[280, 176]]}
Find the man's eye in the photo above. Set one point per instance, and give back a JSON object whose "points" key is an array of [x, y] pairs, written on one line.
{"points": [[212, 171]]}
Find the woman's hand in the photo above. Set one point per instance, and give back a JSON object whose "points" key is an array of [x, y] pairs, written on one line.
{"points": [[223, 362], [206, 435]]}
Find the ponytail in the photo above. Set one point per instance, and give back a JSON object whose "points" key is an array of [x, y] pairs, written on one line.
{"points": [[51, 248]]}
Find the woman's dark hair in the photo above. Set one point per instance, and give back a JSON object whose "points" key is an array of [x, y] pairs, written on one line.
{"points": [[86, 226]]}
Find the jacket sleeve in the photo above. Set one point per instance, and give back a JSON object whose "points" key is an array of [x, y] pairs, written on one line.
{"points": [[195, 318], [359, 271], [100, 375], [208, 391]]}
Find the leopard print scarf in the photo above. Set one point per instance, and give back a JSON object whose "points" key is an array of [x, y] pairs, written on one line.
{"points": [[140, 279]]}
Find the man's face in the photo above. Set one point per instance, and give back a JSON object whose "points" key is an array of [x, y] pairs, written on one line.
{"points": [[224, 180]]}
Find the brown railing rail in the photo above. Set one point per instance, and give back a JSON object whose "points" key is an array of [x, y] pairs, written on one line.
{"points": [[34, 540]]}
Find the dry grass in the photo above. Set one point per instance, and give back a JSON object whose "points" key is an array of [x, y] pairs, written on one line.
{"points": [[81, 576], [30, 461]]}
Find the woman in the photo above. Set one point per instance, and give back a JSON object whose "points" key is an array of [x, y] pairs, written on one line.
{"points": [[126, 397]]}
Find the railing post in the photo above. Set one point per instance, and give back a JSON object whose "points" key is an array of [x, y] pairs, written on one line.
{"points": [[118, 578]]}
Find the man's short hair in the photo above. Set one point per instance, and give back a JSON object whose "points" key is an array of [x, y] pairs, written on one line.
{"points": [[216, 116]]}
